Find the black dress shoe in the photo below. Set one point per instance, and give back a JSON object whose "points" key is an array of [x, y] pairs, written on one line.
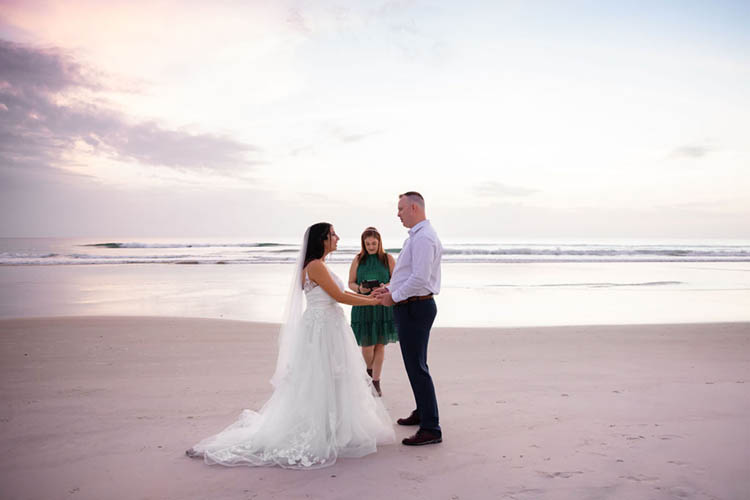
{"points": [[423, 437], [376, 385], [412, 419]]}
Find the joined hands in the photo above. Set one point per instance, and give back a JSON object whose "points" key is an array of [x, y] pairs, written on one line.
{"points": [[383, 295]]}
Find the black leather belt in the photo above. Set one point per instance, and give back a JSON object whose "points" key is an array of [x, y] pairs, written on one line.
{"points": [[414, 299]]}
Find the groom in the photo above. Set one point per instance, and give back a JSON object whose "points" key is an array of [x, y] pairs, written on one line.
{"points": [[415, 279]]}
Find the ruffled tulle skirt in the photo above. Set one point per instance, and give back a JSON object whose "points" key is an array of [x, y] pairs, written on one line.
{"points": [[323, 408]]}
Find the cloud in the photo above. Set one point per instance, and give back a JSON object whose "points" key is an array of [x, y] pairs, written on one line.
{"points": [[348, 136], [49, 105], [331, 136], [148, 143], [297, 22], [497, 190], [391, 21], [42, 69], [354, 137], [691, 152]]}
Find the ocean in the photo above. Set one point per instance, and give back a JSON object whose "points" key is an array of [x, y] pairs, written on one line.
{"points": [[61, 251], [484, 283]]}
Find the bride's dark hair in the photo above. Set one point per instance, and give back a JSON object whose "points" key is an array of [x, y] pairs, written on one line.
{"points": [[316, 235]]}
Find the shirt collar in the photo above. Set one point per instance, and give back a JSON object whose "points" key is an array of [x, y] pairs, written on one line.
{"points": [[418, 226]]}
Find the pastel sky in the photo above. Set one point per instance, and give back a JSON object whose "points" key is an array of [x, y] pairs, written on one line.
{"points": [[516, 120]]}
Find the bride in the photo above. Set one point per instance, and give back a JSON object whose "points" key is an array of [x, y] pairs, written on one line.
{"points": [[323, 405]]}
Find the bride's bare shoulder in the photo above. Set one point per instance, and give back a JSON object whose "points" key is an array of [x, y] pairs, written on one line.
{"points": [[316, 267], [315, 264]]}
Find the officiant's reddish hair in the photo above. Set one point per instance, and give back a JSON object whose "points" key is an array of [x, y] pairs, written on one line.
{"points": [[371, 232]]}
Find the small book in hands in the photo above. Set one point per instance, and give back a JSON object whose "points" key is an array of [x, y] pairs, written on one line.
{"points": [[371, 284]]}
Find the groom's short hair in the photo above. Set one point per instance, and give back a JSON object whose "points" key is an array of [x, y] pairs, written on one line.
{"points": [[415, 197]]}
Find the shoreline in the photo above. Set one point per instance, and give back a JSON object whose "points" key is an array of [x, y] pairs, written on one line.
{"points": [[104, 407], [271, 324], [472, 295]]}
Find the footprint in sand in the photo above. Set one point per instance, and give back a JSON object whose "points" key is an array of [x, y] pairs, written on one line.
{"points": [[632, 437], [562, 474], [640, 478], [676, 462], [530, 493], [412, 477], [669, 437], [681, 492]]}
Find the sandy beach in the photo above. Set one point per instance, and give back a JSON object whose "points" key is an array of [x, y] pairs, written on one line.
{"points": [[104, 407]]}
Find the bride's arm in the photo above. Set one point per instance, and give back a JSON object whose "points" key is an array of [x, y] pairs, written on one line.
{"points": [[318, 272]]}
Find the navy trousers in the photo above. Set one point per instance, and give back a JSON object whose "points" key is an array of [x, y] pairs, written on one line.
{"points": [[413, 321]]}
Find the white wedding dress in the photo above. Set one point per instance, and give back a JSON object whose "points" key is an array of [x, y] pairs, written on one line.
{"points": [[323, 406]]}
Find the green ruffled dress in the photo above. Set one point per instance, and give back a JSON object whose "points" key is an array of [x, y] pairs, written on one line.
{"points": [[373, 324]]}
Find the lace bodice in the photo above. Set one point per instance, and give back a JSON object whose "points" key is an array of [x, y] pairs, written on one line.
{"points": [[308, 284], [316, 296]]}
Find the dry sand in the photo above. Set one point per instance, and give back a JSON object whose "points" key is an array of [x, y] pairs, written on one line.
{"points": [[104, 407]]}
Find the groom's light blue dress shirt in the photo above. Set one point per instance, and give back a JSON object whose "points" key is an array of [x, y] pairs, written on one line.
{"points": [[417, 270]]}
